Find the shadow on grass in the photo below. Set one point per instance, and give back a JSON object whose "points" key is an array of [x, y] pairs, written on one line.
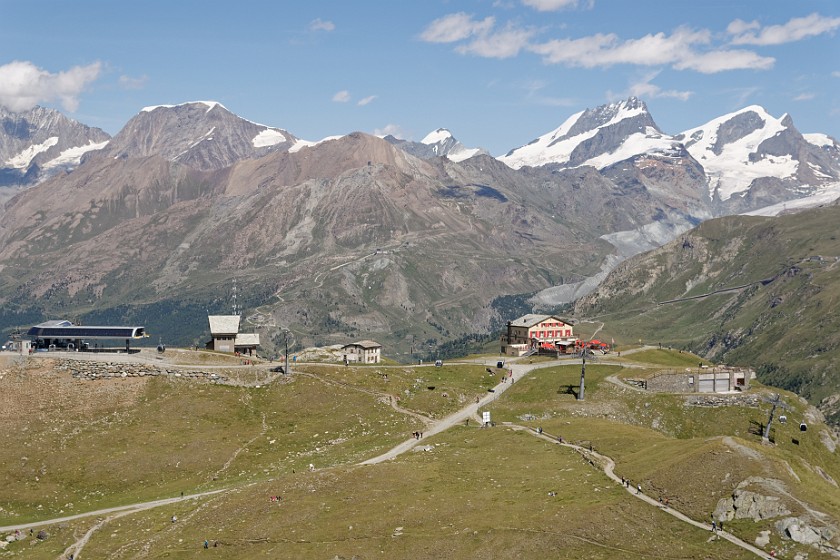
{"points": [[568, 390]]}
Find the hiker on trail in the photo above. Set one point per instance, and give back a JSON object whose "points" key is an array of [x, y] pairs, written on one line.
{"points": [[714, 526], [622, 481], [206, 544], [539, 430], [720, 525], [638, 489]]}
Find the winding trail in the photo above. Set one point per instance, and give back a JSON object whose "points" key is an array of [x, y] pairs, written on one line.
{"points": [[603, 462], [608, 466]]}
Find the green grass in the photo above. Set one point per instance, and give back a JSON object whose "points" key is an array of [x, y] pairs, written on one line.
{"points": [[476, 493], [479, 493]]}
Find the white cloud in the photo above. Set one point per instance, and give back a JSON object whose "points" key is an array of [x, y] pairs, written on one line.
{"points": [[645, 89], [836, 73], [394, 130], [683, 49], [606, 50], [678, 50], [501, 44], [807, 96], [723, 60], [366, 100], [127, 82], [739, 26], [23, 85], [455, 27], [550, 5], [321, 25], [342, 96], [794, 30]]}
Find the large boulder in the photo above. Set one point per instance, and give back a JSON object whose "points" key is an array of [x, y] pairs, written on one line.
{"points": [[798, 530], [749, 505]]}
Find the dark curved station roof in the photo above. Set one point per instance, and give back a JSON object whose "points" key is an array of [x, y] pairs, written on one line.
{"points": [[67, 330]]}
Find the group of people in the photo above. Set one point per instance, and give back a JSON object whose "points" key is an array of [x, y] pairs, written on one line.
{"points": [[417, 435], [274, 498]]}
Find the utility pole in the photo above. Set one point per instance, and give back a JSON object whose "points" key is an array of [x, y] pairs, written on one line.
{"points": [[286, 341], [775, 401], [582, 375]]}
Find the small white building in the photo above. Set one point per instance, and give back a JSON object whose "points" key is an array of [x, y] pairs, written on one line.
{"points": [[224, 330], [364, 352]]}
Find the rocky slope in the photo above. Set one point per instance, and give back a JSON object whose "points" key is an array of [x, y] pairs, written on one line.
{"points": [[349, 238], [203, 135], [39, 143], [741, 290]]}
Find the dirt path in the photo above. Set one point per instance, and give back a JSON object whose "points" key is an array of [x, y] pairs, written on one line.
{"points": [[128, 509], [608, 466], [470, 411]]}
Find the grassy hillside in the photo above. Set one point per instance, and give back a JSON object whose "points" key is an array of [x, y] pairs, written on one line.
{"points": [[467, 492], [774, 284]]}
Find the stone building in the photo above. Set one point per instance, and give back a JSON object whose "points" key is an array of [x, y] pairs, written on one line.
{"points": [[719, 379], [364, 351], [532, 331], [225, 336]]}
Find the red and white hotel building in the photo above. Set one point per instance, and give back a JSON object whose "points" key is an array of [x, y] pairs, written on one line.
{"points": [[533, 331]]}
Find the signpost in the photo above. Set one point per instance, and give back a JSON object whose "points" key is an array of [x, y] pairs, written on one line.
{"points": [[485, 416]]}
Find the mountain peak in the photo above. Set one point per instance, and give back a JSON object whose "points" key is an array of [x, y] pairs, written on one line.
{"points": [[202, 134], [600, 136], [209, 105], [439, 135]]}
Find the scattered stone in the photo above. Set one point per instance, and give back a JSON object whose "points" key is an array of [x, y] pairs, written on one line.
{"points": [[763, 539]]}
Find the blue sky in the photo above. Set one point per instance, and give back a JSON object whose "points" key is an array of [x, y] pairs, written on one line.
{"points": [[497, 73]]}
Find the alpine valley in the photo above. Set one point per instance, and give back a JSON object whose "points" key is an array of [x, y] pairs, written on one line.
{"points": [[413, 244]]}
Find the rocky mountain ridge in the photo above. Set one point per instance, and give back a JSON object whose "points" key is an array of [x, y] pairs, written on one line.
{"points": [[744, 290], [187, 197], [40, 142]]}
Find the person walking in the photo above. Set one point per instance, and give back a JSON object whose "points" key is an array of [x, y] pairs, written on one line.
{"points": [[638, 489]]}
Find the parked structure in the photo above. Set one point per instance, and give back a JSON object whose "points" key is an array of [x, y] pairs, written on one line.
{"points": [[225, 336], [364, 351], [719, 379], [64, 335], [532, 332]]}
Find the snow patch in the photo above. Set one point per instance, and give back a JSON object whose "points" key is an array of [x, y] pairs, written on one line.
{"points": [[820, 140], [826, 195], [300, 144], [461, 155], [636, 144], [268, 137], [23, 159], [554, 147], [733, 170], [439, 135], [73, 156], [210, 106]]}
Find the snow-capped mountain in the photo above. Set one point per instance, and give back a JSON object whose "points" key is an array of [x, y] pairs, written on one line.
{"points": [[438, 143], [202, 134], [750, 150], [598, 137], [37, 143]]}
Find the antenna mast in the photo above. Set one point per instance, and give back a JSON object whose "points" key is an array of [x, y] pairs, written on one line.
{"points": [[235, 305]]}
